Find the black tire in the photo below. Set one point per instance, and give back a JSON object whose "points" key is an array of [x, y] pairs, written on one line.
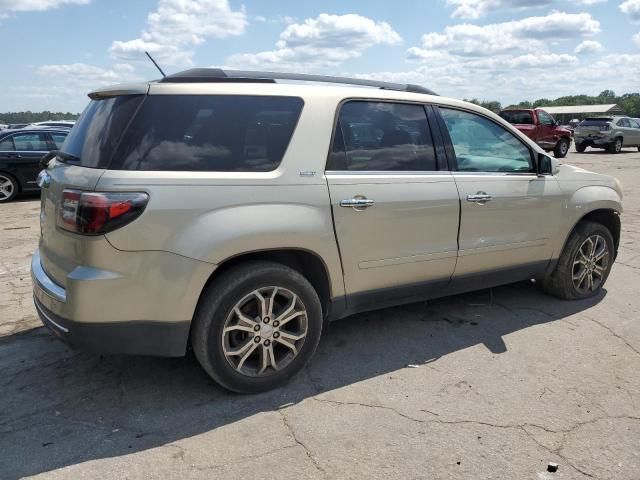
{"points": [[215, 306], [10, 189], [580, 148], [560, 282], [616, 146], [562, 148]]}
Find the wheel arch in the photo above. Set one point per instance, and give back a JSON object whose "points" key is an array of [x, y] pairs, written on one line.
{"points": [[307, 263], [14, 177], [608, 217]]}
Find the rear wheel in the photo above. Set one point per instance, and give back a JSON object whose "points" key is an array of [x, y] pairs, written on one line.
{"points": [[561, 149], [584, 265], [8, 187], [580, 148], [616, 146], [256, 326]]}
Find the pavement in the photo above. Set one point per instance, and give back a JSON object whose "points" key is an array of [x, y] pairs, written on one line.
{"points": [[493, 384]]}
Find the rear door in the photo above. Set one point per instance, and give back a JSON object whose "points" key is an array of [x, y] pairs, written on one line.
{"points": [[509, 215], [395, 206], [29, 147]]}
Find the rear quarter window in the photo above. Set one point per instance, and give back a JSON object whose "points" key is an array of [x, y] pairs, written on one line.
{"points": [[209, 133]]}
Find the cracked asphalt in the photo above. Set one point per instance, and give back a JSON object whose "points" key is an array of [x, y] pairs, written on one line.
{"points": [[493, 384]]}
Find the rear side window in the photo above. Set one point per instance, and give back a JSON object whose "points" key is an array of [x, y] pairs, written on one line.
{"points": [[517, 117], [97, 132], [6, 145], [382, 136], [215, 133], [58, 139]]}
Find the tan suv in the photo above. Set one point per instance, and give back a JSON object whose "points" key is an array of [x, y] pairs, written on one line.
{"points": [[237, 214]]}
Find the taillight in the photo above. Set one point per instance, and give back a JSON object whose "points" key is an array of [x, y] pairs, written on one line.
{"points": [[96, 213], [606, 128]]}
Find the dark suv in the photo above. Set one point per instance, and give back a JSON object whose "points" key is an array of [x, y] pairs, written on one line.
{"points": [[20, 153]]}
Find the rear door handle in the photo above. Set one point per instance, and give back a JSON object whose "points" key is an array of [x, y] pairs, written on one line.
{"points": [[14, 155], [358, 203], [480, 197]]}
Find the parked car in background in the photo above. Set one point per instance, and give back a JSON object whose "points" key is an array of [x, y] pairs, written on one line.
{"points": [[611, 133], [55, 123], [15, 126], [238, 215], [540, 127], [3, 126], [20, 154]]}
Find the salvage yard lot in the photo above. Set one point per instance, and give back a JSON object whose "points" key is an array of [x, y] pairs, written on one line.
{"points": [[493, 384]]}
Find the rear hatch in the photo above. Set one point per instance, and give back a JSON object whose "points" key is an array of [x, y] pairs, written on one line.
{"points": [[593, 126], [84, 156]]}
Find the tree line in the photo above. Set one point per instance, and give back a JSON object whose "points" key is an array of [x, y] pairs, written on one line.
{"points": [[32, 117], [630, 102]]}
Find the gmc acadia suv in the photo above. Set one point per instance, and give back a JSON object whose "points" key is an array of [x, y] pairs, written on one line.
{"points": [[228, 212]]}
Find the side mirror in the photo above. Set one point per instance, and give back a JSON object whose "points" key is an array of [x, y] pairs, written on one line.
{"points": [[544, 165]]}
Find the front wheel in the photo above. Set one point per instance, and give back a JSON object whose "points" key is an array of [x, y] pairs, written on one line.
{"points": [[8, 188], [256, 326], [584, 265], [561, 149]]}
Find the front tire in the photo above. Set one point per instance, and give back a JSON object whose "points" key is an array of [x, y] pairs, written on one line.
{"points": [[562, 148], [580, 148], [584, 265], [616, 146], [8, 187], [256, 326]]}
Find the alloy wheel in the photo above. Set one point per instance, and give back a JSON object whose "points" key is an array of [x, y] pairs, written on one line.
{"points": [[590, 264], [264, 331], [7, 188]]}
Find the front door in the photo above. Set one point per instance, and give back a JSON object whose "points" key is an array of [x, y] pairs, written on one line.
{"points": [[509, 215], [547, 137], [23, 161], [395, 212]]}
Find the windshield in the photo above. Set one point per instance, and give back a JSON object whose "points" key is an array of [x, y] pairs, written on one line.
{"points": [[97, 132], [517, 117]]}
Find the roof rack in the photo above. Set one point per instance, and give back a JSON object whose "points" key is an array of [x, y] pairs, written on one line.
{"points": [[206, 75]]}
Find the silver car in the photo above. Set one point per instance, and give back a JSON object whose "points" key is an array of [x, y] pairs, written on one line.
{"points": [[610, 133], [235, 214]]}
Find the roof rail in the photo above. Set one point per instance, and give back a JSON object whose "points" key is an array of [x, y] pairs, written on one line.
{"points": [[206, 75]]}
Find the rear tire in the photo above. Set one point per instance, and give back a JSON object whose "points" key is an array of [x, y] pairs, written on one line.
{"points": [[580, 148], [584, 265], [616, 146], [8, 187], [239, 334], [562, 148]]}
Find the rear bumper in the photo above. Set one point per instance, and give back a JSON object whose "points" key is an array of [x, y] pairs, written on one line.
{"points": [[102, 314], [593, 141], [160, 339]]}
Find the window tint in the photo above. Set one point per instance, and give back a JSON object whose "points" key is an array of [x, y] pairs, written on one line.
{"points": [[380, 136], [484, 146], [209, 133], [517, 117], [98, 130], [623, 122], [6, 145], [545, 119], [595, 122], [30, 142], [58, 139]]}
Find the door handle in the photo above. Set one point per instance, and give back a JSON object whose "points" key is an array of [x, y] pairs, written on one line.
{"points": [[358, 203], [480, 197], [14, 155]]}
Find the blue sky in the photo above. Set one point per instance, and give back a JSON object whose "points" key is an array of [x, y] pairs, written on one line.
{"points": [[58, 50]]}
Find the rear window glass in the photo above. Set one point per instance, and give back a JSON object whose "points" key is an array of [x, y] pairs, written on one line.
{"points": [[209, 133], [517, 117], [595, 122], [98, 130]]}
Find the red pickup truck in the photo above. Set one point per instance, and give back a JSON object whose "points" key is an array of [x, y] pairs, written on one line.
{"points": [[541, 127]]}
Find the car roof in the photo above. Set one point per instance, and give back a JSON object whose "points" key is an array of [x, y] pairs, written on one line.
{"points": [[9, 131]]}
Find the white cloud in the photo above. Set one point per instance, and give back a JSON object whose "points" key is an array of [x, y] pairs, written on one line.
{"points": [[636, 39], [527, 34], [589, 47], [177, 26], [474, 9], [631, 8], [9, 6], [327, 40], [87, 76]]}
